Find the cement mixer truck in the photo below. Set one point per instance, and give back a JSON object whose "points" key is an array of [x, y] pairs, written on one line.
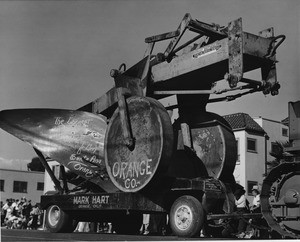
{"points": [[121, 156]]}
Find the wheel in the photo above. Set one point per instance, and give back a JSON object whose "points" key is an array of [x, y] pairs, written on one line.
{"points": [[280, 199], [128, 224], [186, 216], [58, 221]]}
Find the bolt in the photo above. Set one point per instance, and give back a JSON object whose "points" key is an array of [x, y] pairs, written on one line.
{"points": [[114, 73]]}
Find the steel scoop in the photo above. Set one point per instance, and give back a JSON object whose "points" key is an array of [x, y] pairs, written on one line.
{"points": [[75, 139]]}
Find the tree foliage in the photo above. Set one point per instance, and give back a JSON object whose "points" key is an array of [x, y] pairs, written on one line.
{"points": [[35, 165]]}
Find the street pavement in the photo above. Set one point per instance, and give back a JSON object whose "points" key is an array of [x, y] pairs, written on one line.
{"points": [[40, 235]]}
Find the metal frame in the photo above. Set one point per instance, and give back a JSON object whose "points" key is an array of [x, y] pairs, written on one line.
{"points": [[227, 53]]}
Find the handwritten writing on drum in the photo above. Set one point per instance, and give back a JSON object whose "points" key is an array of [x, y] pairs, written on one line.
{"points": [[88, 152], [72, 121], [88, 147], [92, 159], [82, 168], [94, 134], [130, 172], [85, 144]]}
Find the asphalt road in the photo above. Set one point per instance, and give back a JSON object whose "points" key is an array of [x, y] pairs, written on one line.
{"points": [[40, 235]]}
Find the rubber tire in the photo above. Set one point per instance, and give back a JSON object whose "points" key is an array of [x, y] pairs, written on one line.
{"points": [[128, 224], [194, 208], [61, 223]]}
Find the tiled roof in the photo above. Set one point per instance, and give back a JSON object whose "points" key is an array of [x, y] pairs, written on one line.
{"points": [[242, 121], [285, 121]]}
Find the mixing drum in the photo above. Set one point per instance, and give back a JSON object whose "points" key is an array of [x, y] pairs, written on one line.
{"points": [[214, 146], [131, 169]]}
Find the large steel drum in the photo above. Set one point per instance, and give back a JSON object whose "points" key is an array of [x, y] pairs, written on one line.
{"points": [[132, 169], [214, 150]]}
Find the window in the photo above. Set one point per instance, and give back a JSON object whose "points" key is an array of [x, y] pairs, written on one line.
{"points": [[284, 132], [251, 145], [56, 171], [20, 186], [275, 148], [250, 185], [238, 161], [40, 186], [2, 185]]}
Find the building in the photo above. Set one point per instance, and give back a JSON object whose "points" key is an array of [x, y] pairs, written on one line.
{"points": [[19, 182], [251, 139], [55, 167], [277, 131], [255, 138]]}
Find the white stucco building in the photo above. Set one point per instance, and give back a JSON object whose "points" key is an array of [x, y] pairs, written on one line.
{"points": [[255, 138], [55, 167], [276, 131], [17, 182]]}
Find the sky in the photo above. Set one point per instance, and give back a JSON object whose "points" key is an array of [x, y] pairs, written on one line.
{"points": [[58, 54]]}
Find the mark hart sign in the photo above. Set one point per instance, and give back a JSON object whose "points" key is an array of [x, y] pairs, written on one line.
{"points": [[90, 201]]}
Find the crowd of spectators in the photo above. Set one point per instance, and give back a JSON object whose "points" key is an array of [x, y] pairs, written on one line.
{"points": [[20, 214]]}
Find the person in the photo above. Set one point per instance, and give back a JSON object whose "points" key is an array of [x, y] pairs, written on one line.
{"points": [[35, 215], [14, 204], [82, 227], [104, 227], [27, 209], [144, 228], [8, 216], [2, 213], [255, 208], [241, 205], [157, 224]]}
